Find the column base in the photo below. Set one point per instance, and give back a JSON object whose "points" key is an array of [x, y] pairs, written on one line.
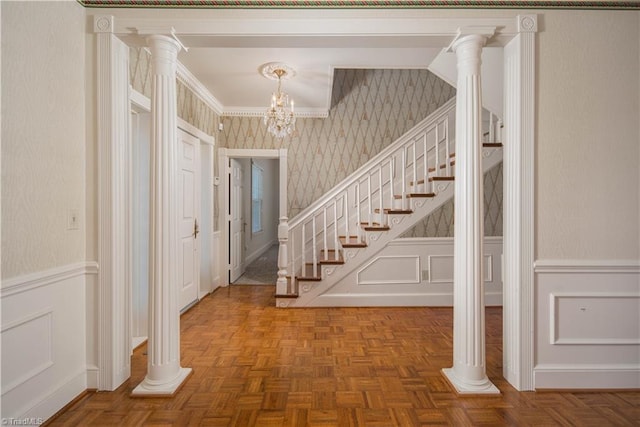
{"points": [[168, 389], [462, 387]]}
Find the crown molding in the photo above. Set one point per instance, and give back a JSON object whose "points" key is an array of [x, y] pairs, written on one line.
{"points": [[186, 77], [305, 113]]}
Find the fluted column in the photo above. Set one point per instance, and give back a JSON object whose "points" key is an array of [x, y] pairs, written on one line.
{"points": [[164, 373], [468, 374]]}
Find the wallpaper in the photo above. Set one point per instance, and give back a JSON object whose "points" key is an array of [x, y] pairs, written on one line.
{"points": [[440, 222], [369, 110], [43, 136], [189, 106]]}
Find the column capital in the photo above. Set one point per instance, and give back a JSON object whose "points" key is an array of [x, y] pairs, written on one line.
{"points": [[478, 34]]}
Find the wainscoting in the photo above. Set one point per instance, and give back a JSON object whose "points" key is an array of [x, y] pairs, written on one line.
{"points": [[44, 340], [413, 272], [587, 324]]}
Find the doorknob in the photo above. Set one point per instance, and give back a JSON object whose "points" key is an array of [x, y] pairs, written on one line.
{"points": [[196, 229]]}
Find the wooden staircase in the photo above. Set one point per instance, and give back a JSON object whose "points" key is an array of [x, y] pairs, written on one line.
{"points": [[375, 205]]}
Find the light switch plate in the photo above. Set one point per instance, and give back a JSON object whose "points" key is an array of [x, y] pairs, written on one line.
{"points": [[73, 219]]}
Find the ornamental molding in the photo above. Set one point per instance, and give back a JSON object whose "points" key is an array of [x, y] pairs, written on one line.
{"points": [[361, 4]]}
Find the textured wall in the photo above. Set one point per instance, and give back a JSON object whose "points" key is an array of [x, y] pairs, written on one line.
{"points": [[440, 222], [43, 135], [370, 109], [588, 141]]}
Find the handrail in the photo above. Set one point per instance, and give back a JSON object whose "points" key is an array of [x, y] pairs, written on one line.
{"points": [[417, 130]]}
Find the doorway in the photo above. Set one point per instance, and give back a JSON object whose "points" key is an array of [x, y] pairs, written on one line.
{"points": [[255, 198], [259, 195]]}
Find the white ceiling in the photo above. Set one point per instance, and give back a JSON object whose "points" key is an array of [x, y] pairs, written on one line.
{"points": [[227, 47]]}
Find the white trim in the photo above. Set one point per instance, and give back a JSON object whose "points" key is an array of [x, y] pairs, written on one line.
{"points": [[312, 113], [554, 297], [546, 266], [416, 280], [140, 101], [46, 277], [114, 211], [191, 82], [63, 393], [48, 312], [587, 376], [519, 204]]}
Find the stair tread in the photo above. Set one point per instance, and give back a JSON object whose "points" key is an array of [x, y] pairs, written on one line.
{"points": [[410, 195], [492, 144], [441, 178], [352, 242], [392, 211], [374, 227]]}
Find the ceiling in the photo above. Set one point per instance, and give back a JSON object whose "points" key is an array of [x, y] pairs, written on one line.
{"points": [[226, 48]]}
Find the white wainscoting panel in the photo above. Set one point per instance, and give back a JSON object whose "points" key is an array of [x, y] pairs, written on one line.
{"points": [[44, 340], [587, 324], [405, 268], [413, 272]]}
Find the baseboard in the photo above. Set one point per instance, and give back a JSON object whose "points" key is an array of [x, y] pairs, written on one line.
{"points": [[92, 377], [383, 300], [587, 377], [58, 398], [256, 254]]}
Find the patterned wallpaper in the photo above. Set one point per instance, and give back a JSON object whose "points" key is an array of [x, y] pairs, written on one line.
{"points": [[440, 222], [190, 107], [369, 110]]}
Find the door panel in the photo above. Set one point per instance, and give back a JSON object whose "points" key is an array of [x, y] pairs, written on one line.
{"points": [[237, 222], [188, 246]]}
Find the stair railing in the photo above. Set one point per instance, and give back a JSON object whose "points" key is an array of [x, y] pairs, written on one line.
{"points": [[365, 198]]}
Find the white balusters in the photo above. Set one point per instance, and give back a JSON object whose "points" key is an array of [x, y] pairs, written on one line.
{"points": [[381, 202], [404, 177], [391, 190], [304, 250], [447, 152], [359, 227], [415, 170], [369, 197], [325, 247], [335, 225], [313, 247], [425, 162], [346, 212]]}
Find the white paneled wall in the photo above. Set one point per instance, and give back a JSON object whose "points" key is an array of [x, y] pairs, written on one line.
{"points": [[413, 272], [44, 340], [588, 324]]}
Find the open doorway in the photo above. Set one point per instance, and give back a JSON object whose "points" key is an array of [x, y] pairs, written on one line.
{"points": [[255, 200], [260, 212]]}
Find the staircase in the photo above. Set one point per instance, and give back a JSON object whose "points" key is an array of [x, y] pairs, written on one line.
{"points": [[374, 205]]}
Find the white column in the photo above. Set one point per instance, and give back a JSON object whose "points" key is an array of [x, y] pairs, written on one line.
{"points": [[164, 373], [468, 374]]}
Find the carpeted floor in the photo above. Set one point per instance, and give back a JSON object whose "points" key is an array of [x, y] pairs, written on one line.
{"points": [[262, 271]]}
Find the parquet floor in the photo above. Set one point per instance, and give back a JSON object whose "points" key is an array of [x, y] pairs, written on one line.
{"points": [[256, 365]]}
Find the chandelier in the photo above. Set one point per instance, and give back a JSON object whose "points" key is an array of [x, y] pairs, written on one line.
{"points": [[279, 117]]}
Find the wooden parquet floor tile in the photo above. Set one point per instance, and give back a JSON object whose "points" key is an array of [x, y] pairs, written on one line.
{"points": [[257, 365]]}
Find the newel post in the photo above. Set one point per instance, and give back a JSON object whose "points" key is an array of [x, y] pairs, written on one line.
{"points": [[283, 258]]}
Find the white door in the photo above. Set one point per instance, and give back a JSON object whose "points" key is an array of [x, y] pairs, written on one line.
{"points": [[236, 236], [188, 207]]}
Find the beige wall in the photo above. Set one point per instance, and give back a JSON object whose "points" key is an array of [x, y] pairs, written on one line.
{"points": [[43, 135], [588, 141]]}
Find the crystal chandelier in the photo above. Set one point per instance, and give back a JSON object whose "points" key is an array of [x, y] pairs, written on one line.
{"points": [[279, 117]]}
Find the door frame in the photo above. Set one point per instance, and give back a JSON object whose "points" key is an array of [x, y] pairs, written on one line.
{"points": [[224, 155]]}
